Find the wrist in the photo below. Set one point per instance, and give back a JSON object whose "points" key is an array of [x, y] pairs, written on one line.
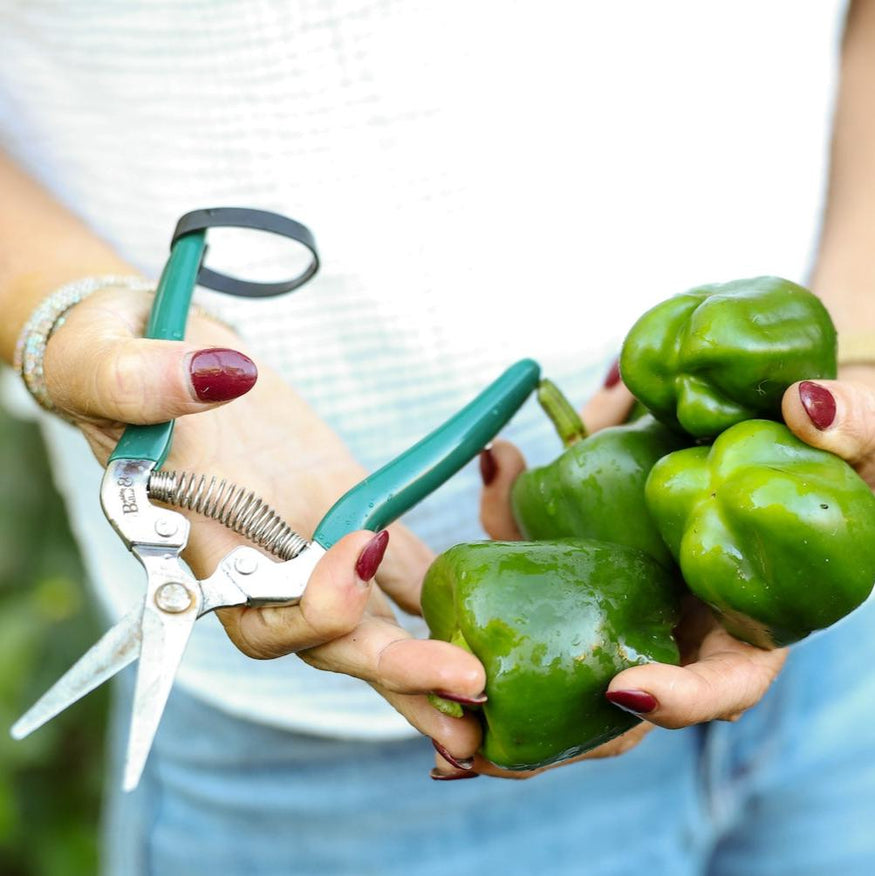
{"points": [[23, 294]]}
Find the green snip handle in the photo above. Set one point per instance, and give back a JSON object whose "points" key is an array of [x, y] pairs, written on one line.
{"points": [[404, 482], [166, 322]]}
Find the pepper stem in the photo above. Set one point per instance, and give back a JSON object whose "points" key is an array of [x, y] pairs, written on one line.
{"points": [[459, 640], [565, 419], [446, 707]]}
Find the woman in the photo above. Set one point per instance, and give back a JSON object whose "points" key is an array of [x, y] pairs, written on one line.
{"points": [[484, 185]]}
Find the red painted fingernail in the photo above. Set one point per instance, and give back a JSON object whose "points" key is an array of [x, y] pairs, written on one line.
{"points": [[612, 378], [219, 374], [488, 466], [819, 404], [636, 701], [371, 556], [458, 698], [459, 763], [441, 776]]}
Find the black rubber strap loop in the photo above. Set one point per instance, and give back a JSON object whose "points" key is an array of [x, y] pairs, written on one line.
{"points": [[260, 220]]}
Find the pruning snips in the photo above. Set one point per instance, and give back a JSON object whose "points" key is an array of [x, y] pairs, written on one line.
{"points": [[157, 630]]}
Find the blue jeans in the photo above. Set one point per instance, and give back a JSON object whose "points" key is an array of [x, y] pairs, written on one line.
{"points": [[788, 790]]}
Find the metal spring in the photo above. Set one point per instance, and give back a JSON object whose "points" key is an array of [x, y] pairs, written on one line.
{"points": [[235, 507]]}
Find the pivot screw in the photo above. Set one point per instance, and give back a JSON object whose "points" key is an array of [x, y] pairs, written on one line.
{"points": [[173, 598], [165, 527], [246, 564]]}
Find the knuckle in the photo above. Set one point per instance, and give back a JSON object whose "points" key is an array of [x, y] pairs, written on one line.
{"points": [[685, 717], [253, 648], [699, 699], [855, 436], [325, 626], [267, 633], [328, 629], [862, 434], [256, 651], [119, 384]]}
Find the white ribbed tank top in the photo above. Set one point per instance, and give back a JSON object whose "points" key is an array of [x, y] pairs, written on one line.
{"points": [[486, 181]]}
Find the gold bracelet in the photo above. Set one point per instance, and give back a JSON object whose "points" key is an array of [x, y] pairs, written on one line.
{"points": [[857, 349]]}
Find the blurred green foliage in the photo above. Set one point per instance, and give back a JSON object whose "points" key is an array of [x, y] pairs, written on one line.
{"points": [[50, 783]]}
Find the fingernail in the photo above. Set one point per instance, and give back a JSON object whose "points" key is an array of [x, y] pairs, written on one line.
{"points": [[220, 374], [612, 378], [459, 763], [819, 404], [488, 466], [636, 701], [371, 556], [441, 776], [463, 700]]}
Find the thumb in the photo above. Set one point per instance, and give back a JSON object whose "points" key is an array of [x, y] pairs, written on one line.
{"points": [[135, 380], [729, 678], [332, 605], [835, 415]]}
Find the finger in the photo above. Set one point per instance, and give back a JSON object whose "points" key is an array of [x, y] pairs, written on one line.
{"points": [[331, 607], [382, 653], [835, 415], [500, 465], [401, 573], [448, 765], [402, 669], [96, 369], [610, 405], [729, 677], [455, 740]]}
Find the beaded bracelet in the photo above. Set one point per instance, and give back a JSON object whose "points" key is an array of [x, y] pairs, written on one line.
{"points": [[49, 316]]}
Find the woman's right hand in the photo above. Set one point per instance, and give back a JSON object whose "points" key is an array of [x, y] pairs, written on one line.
{"points": [[102, 374]]}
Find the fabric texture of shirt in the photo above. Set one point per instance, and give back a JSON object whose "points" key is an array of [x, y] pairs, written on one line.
{"points": [[486, 182]]}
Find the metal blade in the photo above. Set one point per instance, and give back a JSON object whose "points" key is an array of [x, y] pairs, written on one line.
{"points": [[116, 649], [165, 637]]}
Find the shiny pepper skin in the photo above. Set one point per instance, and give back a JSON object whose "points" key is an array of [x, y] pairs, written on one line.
{"points": [[720, 354], [595, 488], [776, 536], [552, 623]]}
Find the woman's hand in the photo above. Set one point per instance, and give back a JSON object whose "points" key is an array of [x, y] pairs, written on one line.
{"points": [[102, 373], [837, 415], [719, 677]]}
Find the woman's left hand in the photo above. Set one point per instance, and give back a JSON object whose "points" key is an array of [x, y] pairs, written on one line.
{"points": [[837, 415], [719, 677]]}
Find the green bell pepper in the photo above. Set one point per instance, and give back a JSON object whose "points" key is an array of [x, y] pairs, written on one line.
{"points": [[595, 489], [776, 536], [552, 623], [724, 353]]}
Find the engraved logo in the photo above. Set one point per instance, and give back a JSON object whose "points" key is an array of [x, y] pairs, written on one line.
{"points": [[127, 496]]}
